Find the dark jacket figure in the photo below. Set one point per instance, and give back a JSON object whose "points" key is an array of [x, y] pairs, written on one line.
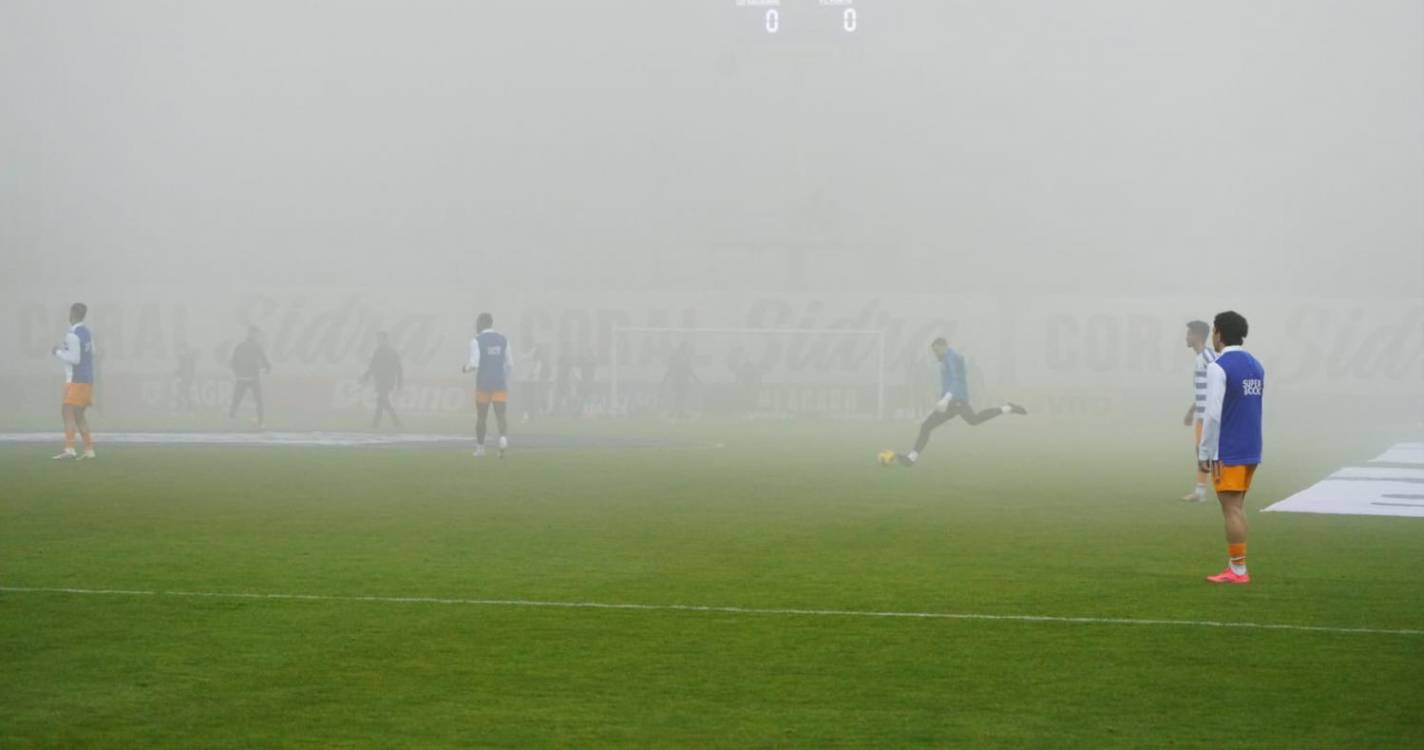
{"points": [[249, 362], [574, 381], [536, 397], [746, 377], [386, 374], [184, 376], [680, 377], [587, 371]]}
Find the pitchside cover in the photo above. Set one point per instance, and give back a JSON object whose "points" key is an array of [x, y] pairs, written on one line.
{"points": [[1391, 484]]}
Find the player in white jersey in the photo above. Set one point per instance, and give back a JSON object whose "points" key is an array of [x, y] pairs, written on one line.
{"points": [[1197, 333]]}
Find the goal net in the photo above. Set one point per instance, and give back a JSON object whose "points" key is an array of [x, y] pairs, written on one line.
{"points": [[684, 372]]}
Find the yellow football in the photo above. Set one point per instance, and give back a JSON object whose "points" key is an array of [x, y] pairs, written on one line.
{"points": [[886, 457]]}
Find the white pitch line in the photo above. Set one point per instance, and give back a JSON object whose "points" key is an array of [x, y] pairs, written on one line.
{"points": [[718, 610], [264, 439]]}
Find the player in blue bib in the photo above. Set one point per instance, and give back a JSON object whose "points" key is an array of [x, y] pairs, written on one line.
{"points": [[1231, 441], [953, 402], [77, 354], [491, 361]]}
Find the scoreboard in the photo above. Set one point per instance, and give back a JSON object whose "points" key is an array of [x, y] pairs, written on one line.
{"points": [[800, 18]]}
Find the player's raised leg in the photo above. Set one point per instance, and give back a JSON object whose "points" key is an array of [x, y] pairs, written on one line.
{"points": [[953, 401], [974, 418]]}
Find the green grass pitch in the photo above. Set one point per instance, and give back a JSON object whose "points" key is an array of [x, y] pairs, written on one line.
{"points": [[1002, 520]]}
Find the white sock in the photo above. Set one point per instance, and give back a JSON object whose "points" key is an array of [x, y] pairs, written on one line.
{"points": [[1237, 568], [1201, 490], [1005, 409], [913, 456], [503, 442]]}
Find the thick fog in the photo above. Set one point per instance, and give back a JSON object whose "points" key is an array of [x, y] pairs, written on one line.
{"points": [[1056, 187]]}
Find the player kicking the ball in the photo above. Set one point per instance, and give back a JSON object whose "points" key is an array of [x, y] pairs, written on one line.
{"points": [[491, 360], [953, 402]]}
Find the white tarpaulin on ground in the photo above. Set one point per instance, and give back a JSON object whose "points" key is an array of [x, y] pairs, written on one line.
{"points": [[1380, 472], [1367, 490], [1403, 453]]}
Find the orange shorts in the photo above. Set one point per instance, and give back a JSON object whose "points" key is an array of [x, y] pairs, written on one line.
{"points": [[485, 397], [78, 394], [1234, 478]]}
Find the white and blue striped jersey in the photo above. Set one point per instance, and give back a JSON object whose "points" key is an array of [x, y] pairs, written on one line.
{"points": [[1203, 360]]}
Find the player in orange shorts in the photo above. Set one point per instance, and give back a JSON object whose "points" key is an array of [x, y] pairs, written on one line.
{"points": [[77, 354], [491, 361], [1231, 435]]}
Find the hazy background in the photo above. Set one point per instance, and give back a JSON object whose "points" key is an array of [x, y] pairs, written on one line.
{"points": [[1056, 186]]}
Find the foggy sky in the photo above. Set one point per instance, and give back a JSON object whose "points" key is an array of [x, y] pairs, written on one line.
{"points": [[999, 147]]}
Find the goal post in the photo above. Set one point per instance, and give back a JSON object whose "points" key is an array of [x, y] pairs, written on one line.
{"points": [[793, 363]]}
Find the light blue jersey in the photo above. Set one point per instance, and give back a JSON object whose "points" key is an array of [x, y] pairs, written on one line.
{"points": [[953, 377]]}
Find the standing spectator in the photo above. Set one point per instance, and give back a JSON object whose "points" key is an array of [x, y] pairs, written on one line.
{"points": [[587, 371], [184, 376], [564, 386], [680, 378], [249, 363], [386, 374], [746, 379], [536, 397]]}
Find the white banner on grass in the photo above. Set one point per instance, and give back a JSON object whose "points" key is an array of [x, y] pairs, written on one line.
{"points": [[1403, 453], [1365, 490]]}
